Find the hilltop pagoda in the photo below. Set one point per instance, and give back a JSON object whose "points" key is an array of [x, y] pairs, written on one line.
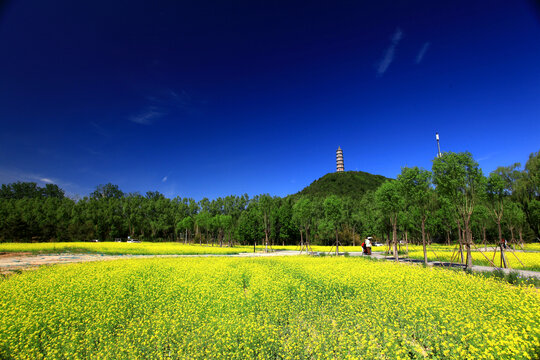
{"points": [[339, 160]]}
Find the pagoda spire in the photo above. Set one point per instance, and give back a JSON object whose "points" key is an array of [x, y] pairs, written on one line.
{"points": [[339, 160]]}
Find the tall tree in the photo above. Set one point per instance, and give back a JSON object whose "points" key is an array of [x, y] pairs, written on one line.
{"points": [[415, 185], [203, 221], [497, 193], [390, 202], [186, 225], [302, 217], [333, 212], [266, 205], [527, 190], [514, 219], [458, 177], [482, 217]]}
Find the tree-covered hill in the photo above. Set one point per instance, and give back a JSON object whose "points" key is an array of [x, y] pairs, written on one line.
{"points": [[348, 183]]}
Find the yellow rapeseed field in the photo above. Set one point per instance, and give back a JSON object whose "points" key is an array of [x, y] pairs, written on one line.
{"points": [[528, 260], [113, 248], [515, 260], [264, 308], [533, 247]]}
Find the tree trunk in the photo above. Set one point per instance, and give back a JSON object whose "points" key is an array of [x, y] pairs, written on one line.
{"points": [[394, 238], [460, 236], [501, 245], [337, 243], [468, 242], [390, 243], [266, 240], [407, 242], [503, 256], [424, 239], [512, 240], [484, 237], [499, 229]]}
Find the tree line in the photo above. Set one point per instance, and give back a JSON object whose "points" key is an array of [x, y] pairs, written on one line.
{"points": [[454, 202]]}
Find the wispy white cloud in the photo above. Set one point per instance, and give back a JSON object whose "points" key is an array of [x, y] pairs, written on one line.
{"points": [[164, 179], [390, 52], [422, 52], [99, 129], [147, 117], [181, 99], [13, 175], [486, 157]]}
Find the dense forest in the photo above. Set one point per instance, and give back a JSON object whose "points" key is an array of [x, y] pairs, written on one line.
{"points": [[454, 201]]}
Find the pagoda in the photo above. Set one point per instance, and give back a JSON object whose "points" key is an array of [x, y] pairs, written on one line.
{"points": [[339, 160]]}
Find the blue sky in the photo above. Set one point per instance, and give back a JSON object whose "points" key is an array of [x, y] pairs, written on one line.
{"points": [[199, 98]]}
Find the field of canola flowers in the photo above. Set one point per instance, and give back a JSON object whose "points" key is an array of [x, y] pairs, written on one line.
{"points": [[523, 260], [528, 260], [114, 248], [266, 308], [516, 260]]}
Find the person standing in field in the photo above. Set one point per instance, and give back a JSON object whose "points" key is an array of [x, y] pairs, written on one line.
{"points": [[368, 246]]}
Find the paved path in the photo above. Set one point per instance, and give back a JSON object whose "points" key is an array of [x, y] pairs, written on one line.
{"points": [[18, 261]]}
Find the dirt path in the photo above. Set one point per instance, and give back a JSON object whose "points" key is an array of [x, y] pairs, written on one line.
{"points": [[10, 262]]}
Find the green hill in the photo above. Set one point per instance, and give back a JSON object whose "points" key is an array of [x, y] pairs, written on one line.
{"points": [[348, 183]]}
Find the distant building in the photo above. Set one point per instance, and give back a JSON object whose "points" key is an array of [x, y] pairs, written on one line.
{"points": [[339, 160]]}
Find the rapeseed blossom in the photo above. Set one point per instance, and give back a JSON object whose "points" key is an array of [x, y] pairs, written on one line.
{"points": [[264, 308], [114, 248]]}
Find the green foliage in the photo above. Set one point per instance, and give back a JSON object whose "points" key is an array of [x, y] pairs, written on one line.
{"points": [[22, 190], [333, 210], [389, 199], [344, 205], [415, 186], [458, 177], [108, 191], [353, 184]]}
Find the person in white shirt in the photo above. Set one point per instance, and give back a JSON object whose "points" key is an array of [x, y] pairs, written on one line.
{"points": [[368, 246]]}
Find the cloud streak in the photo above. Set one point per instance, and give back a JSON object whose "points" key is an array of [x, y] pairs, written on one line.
{"points": [[147, 117], [486, 157], [8, 175], [100, 130], [390, 52], [164, 179], [422, 52]]}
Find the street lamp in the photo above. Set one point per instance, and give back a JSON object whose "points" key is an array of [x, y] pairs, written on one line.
{"points": [[438, 145]]}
